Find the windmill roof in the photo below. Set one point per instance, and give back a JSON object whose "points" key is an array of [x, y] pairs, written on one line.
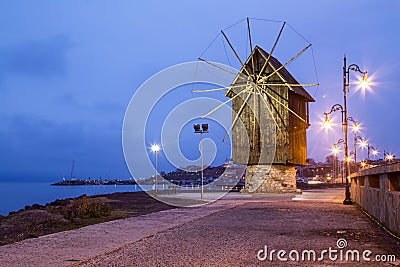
{"points": [[284, 73]]}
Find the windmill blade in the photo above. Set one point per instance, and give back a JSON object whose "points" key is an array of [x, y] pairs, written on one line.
{"points": [[209, 90], [291, 84], [236, 54], [275, 92], [233, 49], [279, 102], [280, 96], [251, 51], [266, 104], [220, 105], [287, 62], [216, 89], [216, 66], [237, 116], [272, 50], [248, 30], [255, 113]]}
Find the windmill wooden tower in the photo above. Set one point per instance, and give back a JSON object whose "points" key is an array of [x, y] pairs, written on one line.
{"points": [[273, 106]]}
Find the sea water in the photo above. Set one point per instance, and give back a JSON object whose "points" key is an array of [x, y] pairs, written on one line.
{"points": [[16, 195]]}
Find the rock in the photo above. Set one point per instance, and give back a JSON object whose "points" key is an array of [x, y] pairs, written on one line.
{"points": [[36, 206]]}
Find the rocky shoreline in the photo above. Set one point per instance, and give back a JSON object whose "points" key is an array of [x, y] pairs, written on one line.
{"points": [[71, 213]]}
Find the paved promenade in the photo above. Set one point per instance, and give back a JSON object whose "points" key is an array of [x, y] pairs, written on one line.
{"points": [[229, 232]]}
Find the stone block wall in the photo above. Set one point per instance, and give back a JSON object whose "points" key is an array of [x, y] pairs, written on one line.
{"points": [[377, 191], [270, 179]]}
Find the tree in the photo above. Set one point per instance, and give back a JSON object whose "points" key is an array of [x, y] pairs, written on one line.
{"points": [[331, 159], [310, 161]]}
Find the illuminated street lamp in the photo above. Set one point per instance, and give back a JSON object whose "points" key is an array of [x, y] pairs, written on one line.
{"points": [[327, 123], [348, 159], [389, 157], [374, 151], [156, 149], [204, 129], [364, 82], [356, 128], [343, 109], [362, 144], [335, 151], [363, 164]]}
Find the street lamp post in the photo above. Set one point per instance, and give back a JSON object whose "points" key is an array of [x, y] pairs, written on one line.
{"points": [[335, 151], [204, 129], [374, 152], [343, 109], [362, 144], [388, 157], [156, 149], [356, 128]]}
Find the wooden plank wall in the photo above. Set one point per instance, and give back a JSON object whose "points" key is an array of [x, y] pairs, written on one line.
{"points": [[297, 130], [288, 131], [274, 128]]}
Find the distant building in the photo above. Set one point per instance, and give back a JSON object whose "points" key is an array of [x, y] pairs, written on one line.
{"points": [[315, 171]]}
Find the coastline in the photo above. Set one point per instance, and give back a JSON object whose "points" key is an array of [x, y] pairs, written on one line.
{"points": [[15, 195], [77, 182], [62, 215]]}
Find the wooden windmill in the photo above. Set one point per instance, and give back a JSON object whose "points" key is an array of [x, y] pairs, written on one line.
{"points": [[273, 107]]}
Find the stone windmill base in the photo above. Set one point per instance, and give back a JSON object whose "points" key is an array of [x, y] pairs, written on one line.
{"points": [[270, 179]]}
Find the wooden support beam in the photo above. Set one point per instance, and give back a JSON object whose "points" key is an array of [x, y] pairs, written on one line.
{"points": [[216, 89], [216, 66], [236, 54], [270, 101], [237, 115], [220, 105], [248, 30], [290, 84], [287, 62], [272, 50], [279, 102]]}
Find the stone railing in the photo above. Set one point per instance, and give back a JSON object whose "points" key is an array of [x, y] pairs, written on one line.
{"points": [[377, 191]]}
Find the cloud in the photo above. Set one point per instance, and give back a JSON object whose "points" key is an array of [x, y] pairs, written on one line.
{"points": [[35, 58], [37, 147]]}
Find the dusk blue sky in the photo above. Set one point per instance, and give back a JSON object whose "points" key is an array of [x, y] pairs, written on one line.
{"points": [[68, 70]]}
